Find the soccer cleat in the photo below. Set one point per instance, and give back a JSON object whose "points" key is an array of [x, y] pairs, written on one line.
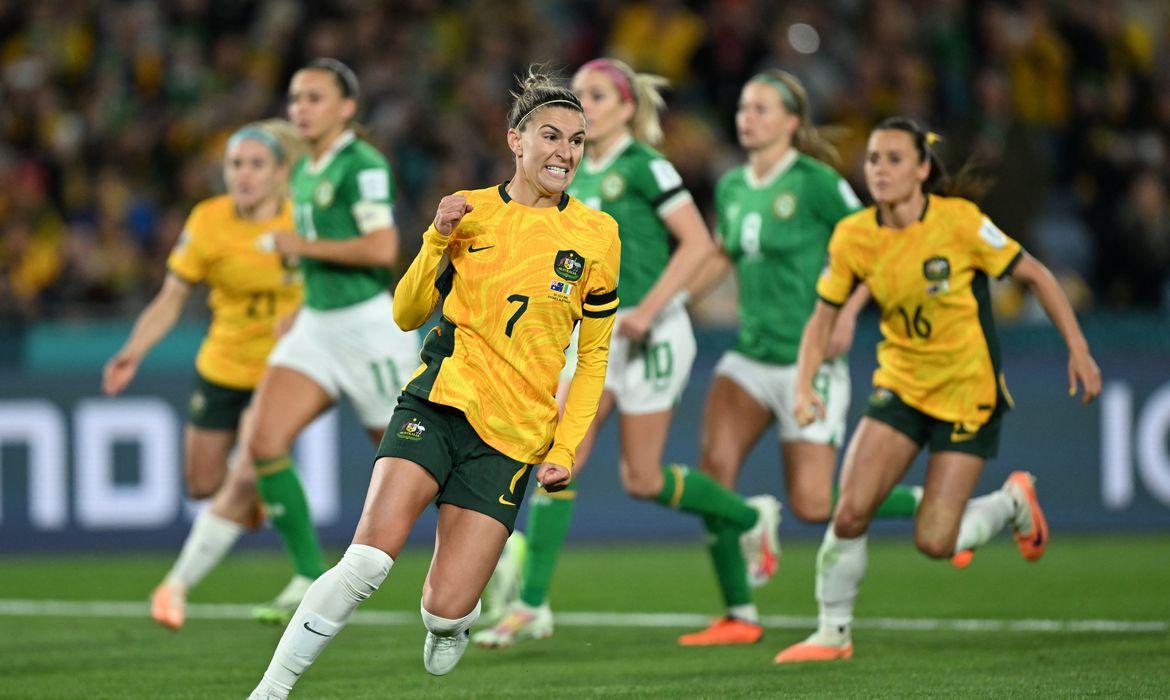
{"points": [[267, 691], [962, 558], [520, 623], [504, 586], [725, 631], [805, 651], [281, 608], [440, 654], [1029, 523], [761, 544], [168, 605]]}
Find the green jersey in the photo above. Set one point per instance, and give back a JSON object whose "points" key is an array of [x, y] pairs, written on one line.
{"points": [[777, 231], [637, 187], [346, 193]]}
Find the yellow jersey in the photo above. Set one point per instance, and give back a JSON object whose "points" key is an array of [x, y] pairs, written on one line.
{"points": [[939, 351], [515, 280], [250, 289]]}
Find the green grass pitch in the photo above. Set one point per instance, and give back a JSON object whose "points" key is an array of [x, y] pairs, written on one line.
{"points": [[1122, 580]]}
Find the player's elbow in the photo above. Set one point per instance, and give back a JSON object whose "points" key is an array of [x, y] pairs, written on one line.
{"points": [[406, 316]]}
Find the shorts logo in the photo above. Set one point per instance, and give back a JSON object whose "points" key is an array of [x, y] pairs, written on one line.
{"points": [[198, 402], [880, 397], [412, 429], [612, 186], [960, 433], [323, 195], [937, 270], [569, 265], [785, 205]]}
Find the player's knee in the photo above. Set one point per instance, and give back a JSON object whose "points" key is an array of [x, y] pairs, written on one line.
{"points": [[363, 569], [265, 444], [935, 545], [445, 618], [202, 480], [849, 522], [811, 508], [720, 465], [642, 486]]}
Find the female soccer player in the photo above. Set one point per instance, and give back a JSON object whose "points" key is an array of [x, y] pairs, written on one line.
{"points": [[653, 345], [926, 259], [250, 293], [341, 341], [775, 216], [518, 265]]}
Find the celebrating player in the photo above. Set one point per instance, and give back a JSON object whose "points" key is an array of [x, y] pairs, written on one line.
{"points": [[775, 216], [518, 265], [653, 345], [342, 340], [250, 293], [926, 258]]}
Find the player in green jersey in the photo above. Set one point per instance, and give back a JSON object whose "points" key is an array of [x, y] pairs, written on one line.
{"points": [[775, 217], [343, 340], [652, 348]]}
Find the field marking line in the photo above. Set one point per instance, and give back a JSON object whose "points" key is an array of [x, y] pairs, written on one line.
{"points": [[226, 611]]}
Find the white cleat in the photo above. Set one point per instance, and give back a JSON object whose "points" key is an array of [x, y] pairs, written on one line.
{"points": [[440, 654], [280, 610], [504, 586], [761, 544], [267, 691], [520, 623]]}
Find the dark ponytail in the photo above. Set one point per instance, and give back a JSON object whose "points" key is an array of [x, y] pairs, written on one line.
{"points": [[967, 183]]}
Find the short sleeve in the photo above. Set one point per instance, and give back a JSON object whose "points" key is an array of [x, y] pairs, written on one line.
{"points": [[993, 251], [189, 259], [838, 278], [661, 185], [373, 203], [601, 289], [838, 199]]}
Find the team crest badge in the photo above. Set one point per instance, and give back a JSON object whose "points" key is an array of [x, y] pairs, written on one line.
{"points": [[412, 429], [937, 271], [880, 397], [612, 186], [785, 205], [569, 265], [323, 195], [197, 403]]}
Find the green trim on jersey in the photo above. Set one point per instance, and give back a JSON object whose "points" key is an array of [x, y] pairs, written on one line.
{"points": [[777, 233], [324, 200], [633, 184]]}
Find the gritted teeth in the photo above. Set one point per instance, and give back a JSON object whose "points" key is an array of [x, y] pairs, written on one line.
{"points": [[557, 169]]}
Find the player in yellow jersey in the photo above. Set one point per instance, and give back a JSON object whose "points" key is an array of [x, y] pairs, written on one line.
{"points": [[926, 259], [517, 267], [250, 293]]}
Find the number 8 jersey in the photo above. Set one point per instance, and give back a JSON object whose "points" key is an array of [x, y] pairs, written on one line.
{"points": [[939, 351], [516, 280]]}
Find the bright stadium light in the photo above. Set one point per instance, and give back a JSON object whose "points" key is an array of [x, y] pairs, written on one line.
{"points": [[804, 38]]}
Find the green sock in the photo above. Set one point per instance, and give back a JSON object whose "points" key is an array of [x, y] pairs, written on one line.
{"points": [[726, 556], [901, 503], [694, 492], [284, 501], [548, 524]]}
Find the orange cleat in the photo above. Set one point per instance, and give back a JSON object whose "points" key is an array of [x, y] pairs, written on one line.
{"points": [[802, 652], [1030, 525], [725, 631], [168, 605], [962, 558]]}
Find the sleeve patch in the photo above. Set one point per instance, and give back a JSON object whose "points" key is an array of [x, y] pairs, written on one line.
{"points": [[848, 195], [373, 216], [991, 233], [374, 184], [665, 175]]}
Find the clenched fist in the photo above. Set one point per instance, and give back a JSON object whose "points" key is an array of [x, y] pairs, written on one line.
{"points": [[452, 209]]}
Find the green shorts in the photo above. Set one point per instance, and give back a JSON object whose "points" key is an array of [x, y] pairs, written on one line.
{"points": [[886, 406], [216, 407], [471, 473]]}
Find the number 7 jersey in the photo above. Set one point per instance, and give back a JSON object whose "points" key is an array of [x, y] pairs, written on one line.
{"points": [[939, 351], [516, 280]]}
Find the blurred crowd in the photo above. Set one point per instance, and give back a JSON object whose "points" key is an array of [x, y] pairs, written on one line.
{"points": [[114, 115]]}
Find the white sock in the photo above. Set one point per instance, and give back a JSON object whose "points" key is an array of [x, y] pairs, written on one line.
{"points": [[841, 565], [747, 613], [984, 518], [447, 627], [209, 541], [323, 613]]}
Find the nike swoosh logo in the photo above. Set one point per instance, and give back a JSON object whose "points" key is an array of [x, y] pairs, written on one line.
{"points": [[472, 249], [506, 502], [313, 630]]}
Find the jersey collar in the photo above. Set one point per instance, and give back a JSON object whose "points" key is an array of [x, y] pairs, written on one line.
{"points": [[503, 189], [877, 212], [595, 166], [772, 175], [343, 139]]}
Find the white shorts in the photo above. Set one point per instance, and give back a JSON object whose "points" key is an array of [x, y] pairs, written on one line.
{"points": [[774, 386], [357, 350], [647, 377]]}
